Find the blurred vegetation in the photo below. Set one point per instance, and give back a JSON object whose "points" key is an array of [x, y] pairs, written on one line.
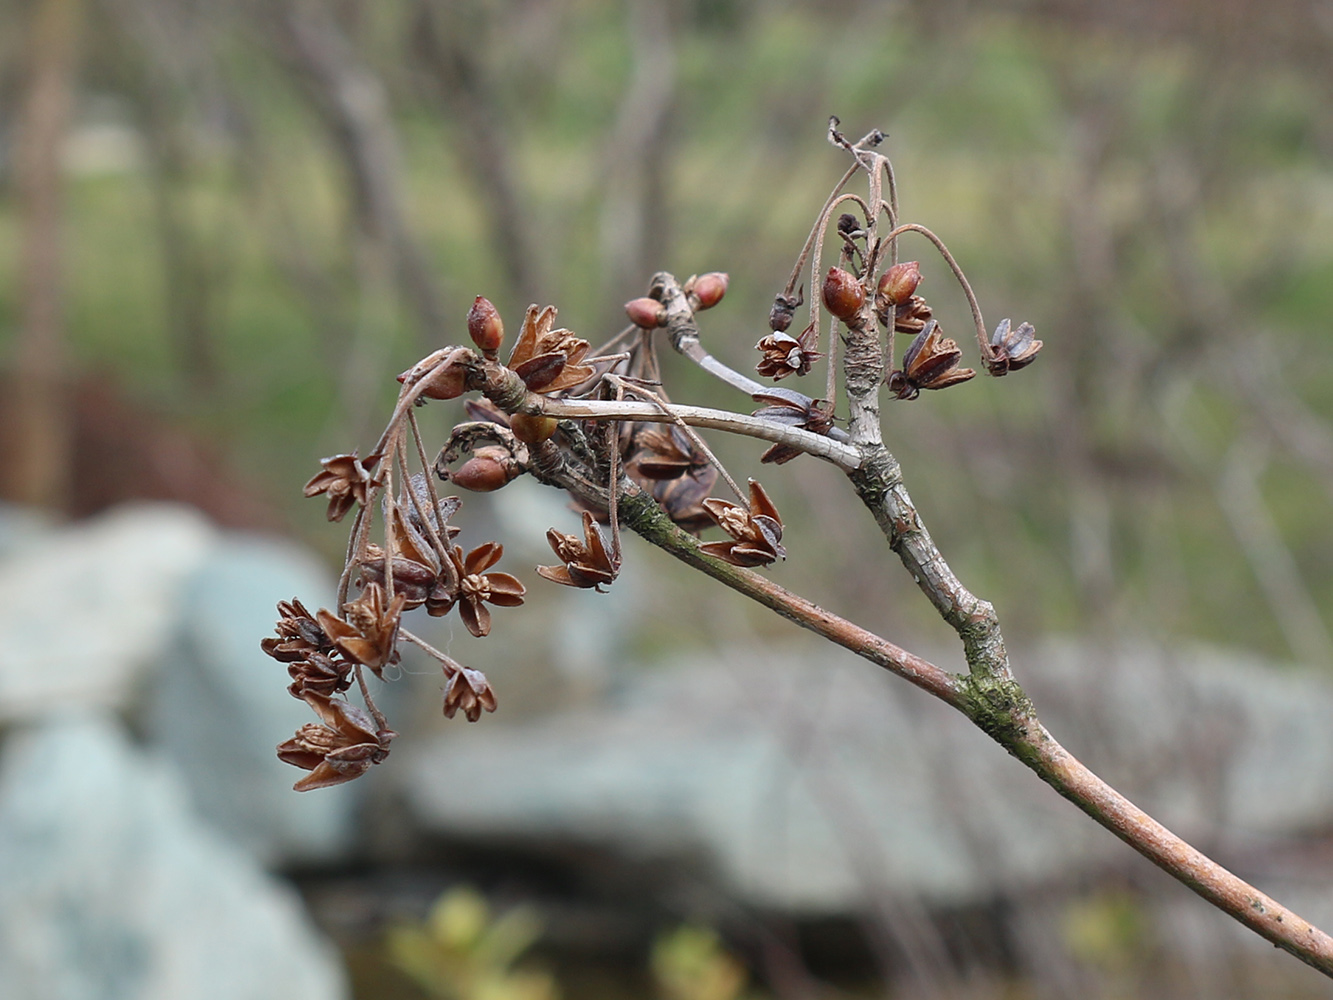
{"points": [[269, 209], [463, 952]]}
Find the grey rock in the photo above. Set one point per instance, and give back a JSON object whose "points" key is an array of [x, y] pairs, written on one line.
{"points": [[813, 787], [87, 612], [110, 888]]}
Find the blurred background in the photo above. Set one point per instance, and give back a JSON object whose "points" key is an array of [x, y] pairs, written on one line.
{"points": [[226, 226]]}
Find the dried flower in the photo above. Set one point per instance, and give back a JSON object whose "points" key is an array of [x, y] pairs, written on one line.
{"points": [[756, 533], [843, 294], [795, 410], [345, 746], [931, 362], [1014, 349], [412, 579], [299, 634], [548, 360], [485, 327], [645, 313], [319, 673], [345, 479], [910, 316], [587, 563], [662, 453], [368, 633], [477, 587], [787, 355], [470, 691]]}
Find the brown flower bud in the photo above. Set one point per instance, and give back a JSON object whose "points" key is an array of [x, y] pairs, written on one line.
{"points": [[709, 288], [532, 428], [646, 313], [898, 283], [843, 294], [487, 470], [485, 327]]}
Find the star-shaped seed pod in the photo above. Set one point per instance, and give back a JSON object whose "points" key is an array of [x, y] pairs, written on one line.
{"points": [[662, 453], [477, 587], [368, 632], [1014, 349], [756, 533], [345, 746], [470, 691], [587, 563], [911, 316], [299, 634], [548, 360], [319, 673], [787, 355], [931, 362], [345, 479], [795, 410]]}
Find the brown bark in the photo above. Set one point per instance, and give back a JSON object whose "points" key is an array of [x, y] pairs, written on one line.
{"points": [[39, 445]]}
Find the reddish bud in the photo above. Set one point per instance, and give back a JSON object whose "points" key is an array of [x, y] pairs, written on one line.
{"points": [[488, 469], [532, 428], [898, 283], [709, 288], [646, 313], [485, 327], [843, 294]]}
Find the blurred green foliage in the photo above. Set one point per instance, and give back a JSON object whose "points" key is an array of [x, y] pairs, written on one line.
{"points": [[464, 952]]}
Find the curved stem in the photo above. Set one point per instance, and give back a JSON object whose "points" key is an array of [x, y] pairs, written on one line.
{"points": [[982, 342], [820, 220]]}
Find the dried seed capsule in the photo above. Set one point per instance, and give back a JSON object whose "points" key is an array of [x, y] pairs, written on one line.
{"points": [[709, 288], [485, 327], [532, 428], [898, 283], [646, 313], [843, 294]]}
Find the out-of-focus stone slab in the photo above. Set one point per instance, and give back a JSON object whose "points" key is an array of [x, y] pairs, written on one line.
{"points": [[87, 609], [813, 786], [110, 888]]}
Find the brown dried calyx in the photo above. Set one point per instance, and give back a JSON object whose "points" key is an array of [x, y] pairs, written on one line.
{"points": [[1014, 349], [756, 533], [548, 360], [299, 634], [587, 563], [346, 479], [468, 691], [476, 587], [344, 746], [679, 476], [795, 410], [931, 362], [368, 631], [787, 355], [784, 310], [313, 662]]}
